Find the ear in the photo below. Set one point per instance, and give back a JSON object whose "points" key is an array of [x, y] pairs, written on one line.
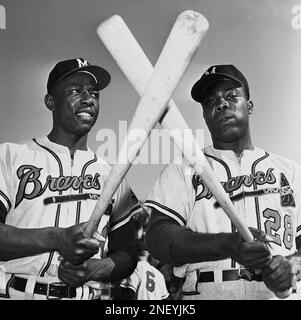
{"points": [[49, 102], [204, 115], [250, 106]]}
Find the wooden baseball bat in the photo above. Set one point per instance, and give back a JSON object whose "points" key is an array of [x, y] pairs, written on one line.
{"points": [[132, 60], [181, 44]]}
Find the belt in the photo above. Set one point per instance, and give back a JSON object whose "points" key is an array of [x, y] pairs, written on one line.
{"points": [[56, 289], [229, 275]]}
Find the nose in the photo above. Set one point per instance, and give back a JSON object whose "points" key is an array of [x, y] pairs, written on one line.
{"points": [[222, 105], [87, 97]]}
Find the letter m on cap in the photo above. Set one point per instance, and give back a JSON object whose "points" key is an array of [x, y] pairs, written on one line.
{"points": [[82, 63], [2, 17]]}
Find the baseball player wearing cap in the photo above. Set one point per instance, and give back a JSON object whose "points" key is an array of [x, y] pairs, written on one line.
{"points": [[48, 189], [189, 229]]}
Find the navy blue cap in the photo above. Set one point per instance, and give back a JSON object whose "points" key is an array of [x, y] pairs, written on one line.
{"points": [[214, 73], [64, 68]]}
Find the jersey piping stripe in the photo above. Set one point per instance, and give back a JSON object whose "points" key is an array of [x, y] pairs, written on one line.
{"points": [[229, 175], [165, 210], [57, 216], [128, 286], [7, 202], [117, 224], [255, 188], [3, 212], [78, 207], [53, 154], [222, 163]]}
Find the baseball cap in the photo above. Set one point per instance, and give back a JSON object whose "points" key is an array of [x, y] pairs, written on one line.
{"points": [[214, 73], [66, 67]]}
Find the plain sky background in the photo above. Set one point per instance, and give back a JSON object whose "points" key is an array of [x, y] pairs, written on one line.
{"points": [[255, 35]]}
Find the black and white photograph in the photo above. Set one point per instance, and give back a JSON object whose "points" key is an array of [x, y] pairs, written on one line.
{"points": [[150, 150]]}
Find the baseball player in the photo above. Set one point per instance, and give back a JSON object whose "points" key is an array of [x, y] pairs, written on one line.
{"points": [[190, 230], [48, 189], [146, 282]]}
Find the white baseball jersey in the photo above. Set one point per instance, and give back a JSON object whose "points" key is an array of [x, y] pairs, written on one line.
{"points": [[42, 186], [147, 282], [265, 189]]}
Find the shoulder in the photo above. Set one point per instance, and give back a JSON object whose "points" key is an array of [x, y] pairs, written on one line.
{"points": [[104, 166], [178, 168], [285, 163], [15, 149]]}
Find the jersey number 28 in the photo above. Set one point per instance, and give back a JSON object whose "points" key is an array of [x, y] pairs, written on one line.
{"points": [[273, 224]]}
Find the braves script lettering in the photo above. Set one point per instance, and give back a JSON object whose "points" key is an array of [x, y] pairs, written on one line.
{"points": [[234, 183], [29, 174]]}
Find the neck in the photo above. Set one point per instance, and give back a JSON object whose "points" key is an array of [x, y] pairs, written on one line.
{"points": [[72, 142], [237, 146]]}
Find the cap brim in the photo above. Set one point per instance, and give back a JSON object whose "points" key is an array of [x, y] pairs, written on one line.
{"points": [[103, 77], [198, 89]]}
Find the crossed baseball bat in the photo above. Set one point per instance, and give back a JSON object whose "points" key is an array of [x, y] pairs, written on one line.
{"points": [[156, 87]]}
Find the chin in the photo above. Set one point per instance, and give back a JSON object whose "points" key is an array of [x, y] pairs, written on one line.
{"points": [[230, 135], [83, 130]]}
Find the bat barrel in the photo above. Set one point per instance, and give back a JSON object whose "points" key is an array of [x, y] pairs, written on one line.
{"points": [[180, 47]]}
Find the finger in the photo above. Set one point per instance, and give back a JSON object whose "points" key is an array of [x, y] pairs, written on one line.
{"points": [[68, 266], [67, 275], [82, 226], [260, 235], [280, 283], [68, 280], [255, 247], [89, 244], [72, 278], [258, 264], [65, 264]]}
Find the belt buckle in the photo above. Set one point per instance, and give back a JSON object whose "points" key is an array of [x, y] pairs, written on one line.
{"points": [[48, 297]]}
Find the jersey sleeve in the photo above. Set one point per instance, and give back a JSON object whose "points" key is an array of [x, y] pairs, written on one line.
{"points": [[6, 182], [173, 193], [164, 291], [125, 205], [134, 280]]}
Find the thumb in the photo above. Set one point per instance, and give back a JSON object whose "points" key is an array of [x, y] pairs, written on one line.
{"points": [[82, 226], [260, 235]]}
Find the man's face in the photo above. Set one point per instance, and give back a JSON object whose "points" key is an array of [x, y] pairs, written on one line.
{"points": [[226, 110], [76, 101]]}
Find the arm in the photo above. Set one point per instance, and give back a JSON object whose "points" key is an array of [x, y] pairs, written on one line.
{"points": [[69, 242], [176, 245]]}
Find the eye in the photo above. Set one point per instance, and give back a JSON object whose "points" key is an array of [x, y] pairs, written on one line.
{"points": [[209, 101], [94, 94], [232, 94], [75, 91]]}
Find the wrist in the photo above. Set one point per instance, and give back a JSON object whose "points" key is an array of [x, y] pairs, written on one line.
{"points": [[229, 241], [54, 238], [100, 269]]}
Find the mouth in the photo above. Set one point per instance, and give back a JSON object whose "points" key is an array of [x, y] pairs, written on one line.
{"points": [[85, 115], [226, 119]]}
